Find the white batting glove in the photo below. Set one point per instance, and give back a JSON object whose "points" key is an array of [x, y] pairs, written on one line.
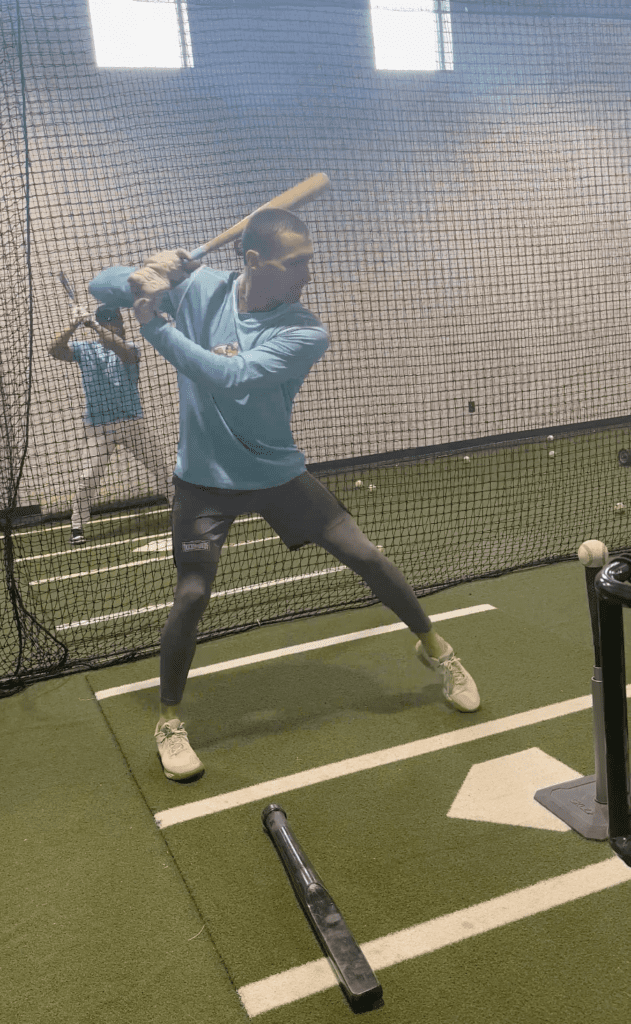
{"points": [[147, 287], [174, 264], [80, 314], [147, 282], [146, 309]]}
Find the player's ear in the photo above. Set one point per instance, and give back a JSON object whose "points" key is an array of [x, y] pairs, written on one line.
{"points": [[252, 259]]}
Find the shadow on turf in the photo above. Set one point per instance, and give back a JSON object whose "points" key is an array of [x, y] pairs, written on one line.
{"points": [[303, 696]]}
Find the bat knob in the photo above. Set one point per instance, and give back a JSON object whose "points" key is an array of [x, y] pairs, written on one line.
{"points": [[271, 809]]}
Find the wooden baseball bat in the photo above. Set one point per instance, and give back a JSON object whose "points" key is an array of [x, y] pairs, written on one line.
{"points": [[291, 199]]}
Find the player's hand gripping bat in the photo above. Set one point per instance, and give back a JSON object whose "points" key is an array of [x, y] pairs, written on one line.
{"points": [[79, 313]]}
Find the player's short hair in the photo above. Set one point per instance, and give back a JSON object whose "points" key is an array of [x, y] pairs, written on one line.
{"points": [[264, 228], [108, 317]]}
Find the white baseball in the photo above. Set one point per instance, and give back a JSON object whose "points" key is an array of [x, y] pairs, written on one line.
{"points": [[593, 552]]}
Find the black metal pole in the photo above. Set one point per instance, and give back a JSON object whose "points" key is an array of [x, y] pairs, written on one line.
{"points": [[613, 591], [598, 714]]}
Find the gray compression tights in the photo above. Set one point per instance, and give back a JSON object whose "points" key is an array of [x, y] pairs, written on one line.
{"points": [[344, 540]]}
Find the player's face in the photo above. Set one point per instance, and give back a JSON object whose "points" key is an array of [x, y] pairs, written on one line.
{"points": [[284, 274]]}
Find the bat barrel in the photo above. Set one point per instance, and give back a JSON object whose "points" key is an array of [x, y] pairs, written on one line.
{"points": [[67, 286], [291, 199]]}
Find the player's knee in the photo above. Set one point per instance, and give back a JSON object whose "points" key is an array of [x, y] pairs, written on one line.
{"points": [[373, 560], [192, 595], [352, 547]]}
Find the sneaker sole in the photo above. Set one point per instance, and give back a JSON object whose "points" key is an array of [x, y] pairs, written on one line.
{"points": [[181, 778], [459, 707]]}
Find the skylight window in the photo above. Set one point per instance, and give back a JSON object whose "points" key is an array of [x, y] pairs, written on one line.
{"points": [[412, 35], [128, 34]]}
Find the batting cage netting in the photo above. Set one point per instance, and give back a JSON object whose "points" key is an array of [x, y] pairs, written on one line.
{"points": [[471, 264]]}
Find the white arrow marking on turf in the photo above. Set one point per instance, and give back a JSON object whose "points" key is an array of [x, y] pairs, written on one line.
{"points": [[503, 790]]}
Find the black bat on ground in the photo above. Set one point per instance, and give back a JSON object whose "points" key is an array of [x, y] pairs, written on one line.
{"points": [[353, 971]]}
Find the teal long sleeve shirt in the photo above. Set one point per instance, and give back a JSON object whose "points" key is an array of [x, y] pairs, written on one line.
{"points": [[238, 376]]}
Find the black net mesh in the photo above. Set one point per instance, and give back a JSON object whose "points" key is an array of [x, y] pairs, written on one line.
{"points": [[472, 266]]}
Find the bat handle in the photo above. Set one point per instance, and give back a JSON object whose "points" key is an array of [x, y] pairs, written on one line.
{"points": [[291, 853], [198, 253], [277, 811]]}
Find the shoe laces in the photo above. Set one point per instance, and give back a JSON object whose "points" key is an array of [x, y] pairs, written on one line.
{"points": [[176, 738], [458, 677]]}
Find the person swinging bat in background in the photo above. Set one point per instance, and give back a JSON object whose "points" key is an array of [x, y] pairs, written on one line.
{"points": [[243, 345], [113, 414]]}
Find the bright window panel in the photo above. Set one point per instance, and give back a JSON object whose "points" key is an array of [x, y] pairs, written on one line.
{"points": [[411, 35], [128, 34]]}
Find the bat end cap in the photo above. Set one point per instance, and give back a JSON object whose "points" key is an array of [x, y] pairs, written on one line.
{"points": [[270, 809]]}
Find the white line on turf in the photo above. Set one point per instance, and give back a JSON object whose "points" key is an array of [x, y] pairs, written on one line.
{"points": [[365, 762], [91, 547], [115, 615], [46, 528], [110, 519], [97, 572], [398, 947], [219, 593], [159, 545], [283, 652]]}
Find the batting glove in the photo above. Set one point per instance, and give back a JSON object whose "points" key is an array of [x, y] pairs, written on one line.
{"points": [[174, 264], [80, 314]]}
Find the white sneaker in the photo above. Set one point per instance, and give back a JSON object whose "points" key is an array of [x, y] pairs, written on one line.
{"points": [[459, 687], [178, 758]]}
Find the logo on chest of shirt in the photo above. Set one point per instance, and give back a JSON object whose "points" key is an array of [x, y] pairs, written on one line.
{"points": [[227, 350]]}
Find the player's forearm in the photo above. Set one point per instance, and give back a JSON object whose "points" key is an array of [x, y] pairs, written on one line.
{"points": [[195, 362], [256, 370], [111, 288], [61, 341], [125, 351]]}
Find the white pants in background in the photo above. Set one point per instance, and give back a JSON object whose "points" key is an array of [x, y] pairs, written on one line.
{"points": [[100, 443]]}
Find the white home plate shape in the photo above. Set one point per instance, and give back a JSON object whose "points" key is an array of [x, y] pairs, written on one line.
{"points": [[503, 790]]}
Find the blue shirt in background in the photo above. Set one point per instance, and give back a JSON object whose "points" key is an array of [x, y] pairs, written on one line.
{"points": [[238, 376], [110, 385]]}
